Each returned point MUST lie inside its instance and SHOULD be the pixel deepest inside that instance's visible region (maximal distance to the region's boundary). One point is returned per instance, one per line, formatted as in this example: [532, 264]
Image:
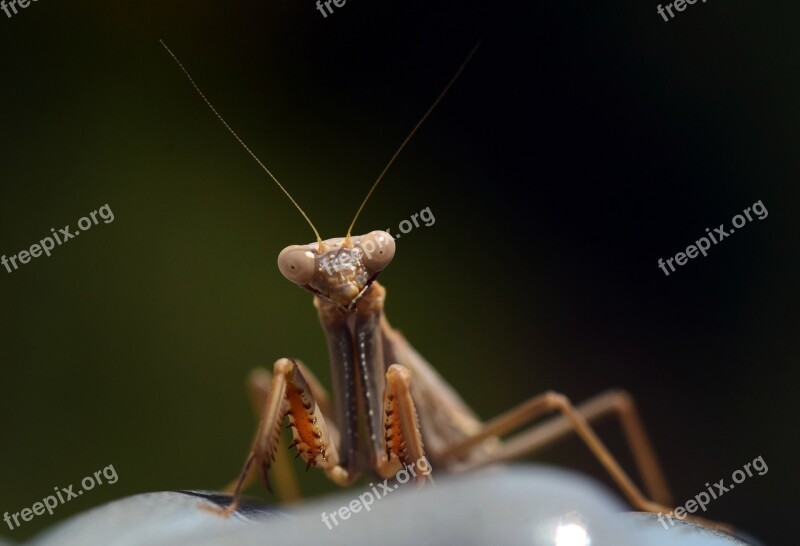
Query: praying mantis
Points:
[390, 407]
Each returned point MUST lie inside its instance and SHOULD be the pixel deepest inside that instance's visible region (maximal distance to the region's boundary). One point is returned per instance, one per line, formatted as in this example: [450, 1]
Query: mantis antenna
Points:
[249, 151]
[411, 134]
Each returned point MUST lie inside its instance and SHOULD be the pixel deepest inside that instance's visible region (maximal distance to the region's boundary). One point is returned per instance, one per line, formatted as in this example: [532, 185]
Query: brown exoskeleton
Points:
[382, 386]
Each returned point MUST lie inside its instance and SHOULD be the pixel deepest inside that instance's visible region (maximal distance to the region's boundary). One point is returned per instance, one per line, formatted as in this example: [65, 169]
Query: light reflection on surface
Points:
[572, 533]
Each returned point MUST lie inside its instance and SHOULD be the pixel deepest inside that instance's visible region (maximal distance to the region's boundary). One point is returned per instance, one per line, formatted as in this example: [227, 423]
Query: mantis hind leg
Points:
[575, 420]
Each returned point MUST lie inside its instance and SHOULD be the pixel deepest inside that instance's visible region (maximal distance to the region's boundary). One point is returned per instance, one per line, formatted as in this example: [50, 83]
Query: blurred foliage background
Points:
[584, 142]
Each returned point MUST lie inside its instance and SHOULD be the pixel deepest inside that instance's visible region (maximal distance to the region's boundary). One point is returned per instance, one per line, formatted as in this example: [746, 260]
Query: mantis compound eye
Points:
[377, 250]
[297, 264]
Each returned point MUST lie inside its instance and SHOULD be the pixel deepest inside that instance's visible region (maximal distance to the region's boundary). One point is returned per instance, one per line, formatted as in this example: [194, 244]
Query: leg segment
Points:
[621, 405]
[402, 434]
[574, 420]
[290, 395]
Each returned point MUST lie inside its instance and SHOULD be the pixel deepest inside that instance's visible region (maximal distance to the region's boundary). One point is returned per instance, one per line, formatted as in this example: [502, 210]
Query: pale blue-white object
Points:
[522, 505]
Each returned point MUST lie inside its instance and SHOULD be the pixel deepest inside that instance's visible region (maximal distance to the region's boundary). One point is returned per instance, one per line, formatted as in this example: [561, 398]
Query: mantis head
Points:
[338, 270]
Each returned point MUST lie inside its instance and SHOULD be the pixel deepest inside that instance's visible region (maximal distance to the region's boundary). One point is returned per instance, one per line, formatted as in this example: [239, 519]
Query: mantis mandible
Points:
[385, 388]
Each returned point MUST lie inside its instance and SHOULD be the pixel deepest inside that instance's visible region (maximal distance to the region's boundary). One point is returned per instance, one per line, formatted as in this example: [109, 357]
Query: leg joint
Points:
[622, 400]
[556, 400]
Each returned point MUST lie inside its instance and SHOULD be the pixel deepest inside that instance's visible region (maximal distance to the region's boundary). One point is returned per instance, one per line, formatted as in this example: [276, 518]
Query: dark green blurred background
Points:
[584, 142]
